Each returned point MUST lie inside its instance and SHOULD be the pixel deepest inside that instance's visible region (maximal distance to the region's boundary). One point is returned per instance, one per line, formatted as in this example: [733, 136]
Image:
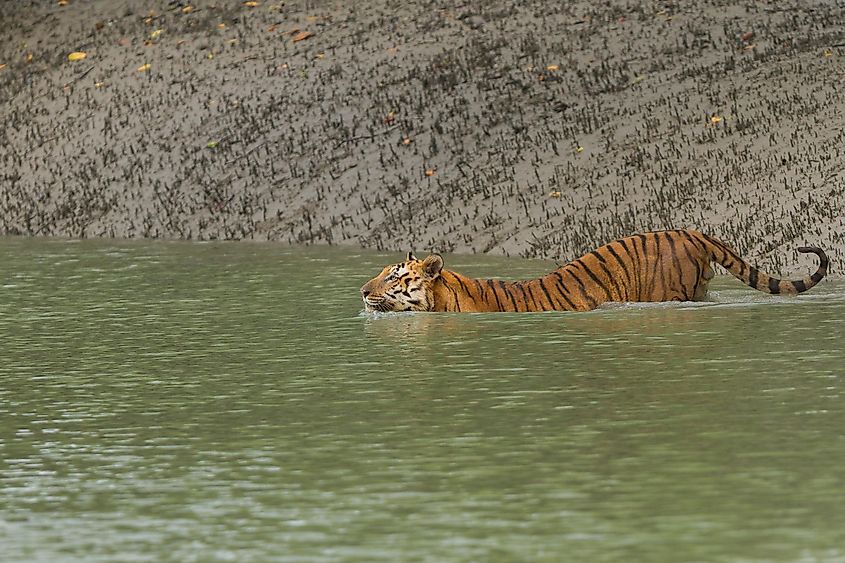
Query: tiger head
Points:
[406, 286]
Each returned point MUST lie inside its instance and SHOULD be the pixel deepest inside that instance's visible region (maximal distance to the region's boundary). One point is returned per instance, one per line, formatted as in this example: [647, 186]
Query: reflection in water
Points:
[177, 401]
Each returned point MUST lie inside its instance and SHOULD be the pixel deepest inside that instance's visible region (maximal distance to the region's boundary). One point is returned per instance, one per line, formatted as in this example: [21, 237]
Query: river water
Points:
[230, 401]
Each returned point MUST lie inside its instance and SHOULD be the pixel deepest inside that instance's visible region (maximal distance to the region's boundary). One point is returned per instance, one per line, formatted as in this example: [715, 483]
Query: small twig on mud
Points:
[83, 75]
[362, 137]
[244, 155]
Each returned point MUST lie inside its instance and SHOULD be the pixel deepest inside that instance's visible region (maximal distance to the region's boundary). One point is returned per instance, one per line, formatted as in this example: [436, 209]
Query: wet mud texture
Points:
[526, 128]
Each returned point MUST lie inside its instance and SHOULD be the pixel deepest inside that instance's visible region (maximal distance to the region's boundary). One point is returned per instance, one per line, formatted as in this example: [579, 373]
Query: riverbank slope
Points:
[507, 127]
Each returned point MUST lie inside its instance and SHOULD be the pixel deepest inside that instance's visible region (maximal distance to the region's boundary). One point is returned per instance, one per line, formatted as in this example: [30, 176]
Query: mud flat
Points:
[523, 127]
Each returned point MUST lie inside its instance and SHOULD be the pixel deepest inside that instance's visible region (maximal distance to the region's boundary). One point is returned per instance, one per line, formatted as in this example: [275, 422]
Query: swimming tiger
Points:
[655, 266]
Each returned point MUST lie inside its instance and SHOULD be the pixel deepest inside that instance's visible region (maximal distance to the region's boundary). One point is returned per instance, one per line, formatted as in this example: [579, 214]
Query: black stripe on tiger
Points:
[546, 293]
[481, 293]
[582, 289]
[610, 277]
[694, 261]
[677, 262]
[635, 270]
[594, 277]
[752, 277]
[526, 293]
[653, 279]
[465, 288]
[507, 291]
[561, 287]
[619, 261]
[492, 287]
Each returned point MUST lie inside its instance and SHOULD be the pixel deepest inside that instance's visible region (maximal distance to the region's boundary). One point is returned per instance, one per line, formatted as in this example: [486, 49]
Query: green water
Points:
[197, 402]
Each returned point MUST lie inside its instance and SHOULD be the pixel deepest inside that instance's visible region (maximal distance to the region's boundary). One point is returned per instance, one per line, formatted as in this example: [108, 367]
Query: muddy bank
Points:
[506, 127]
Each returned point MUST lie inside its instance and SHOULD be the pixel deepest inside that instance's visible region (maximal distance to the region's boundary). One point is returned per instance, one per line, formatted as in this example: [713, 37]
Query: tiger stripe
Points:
[655, 266]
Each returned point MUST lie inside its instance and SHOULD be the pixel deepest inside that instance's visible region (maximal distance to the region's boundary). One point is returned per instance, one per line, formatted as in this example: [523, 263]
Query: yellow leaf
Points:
[827, 53]
[155, 34]
[77, 56]
[715, 119]
[29, 57]
[552, 68]
[99, 84]
[221, 26]
[250, 4]
[554, 193]
[144, 68]
[2, 66]
[406, 141]
[62, 2]
[579, 149]
[301, 35]
[430, 172]
[187, 9]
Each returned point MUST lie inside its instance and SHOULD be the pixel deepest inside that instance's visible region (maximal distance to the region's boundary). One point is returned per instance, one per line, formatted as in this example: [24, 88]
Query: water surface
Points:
[172, 401]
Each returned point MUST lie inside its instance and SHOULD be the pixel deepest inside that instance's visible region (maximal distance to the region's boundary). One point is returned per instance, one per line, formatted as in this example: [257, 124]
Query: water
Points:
[196, 402]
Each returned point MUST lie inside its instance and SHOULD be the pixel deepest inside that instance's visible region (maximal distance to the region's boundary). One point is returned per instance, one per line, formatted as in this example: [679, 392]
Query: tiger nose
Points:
[364, 292]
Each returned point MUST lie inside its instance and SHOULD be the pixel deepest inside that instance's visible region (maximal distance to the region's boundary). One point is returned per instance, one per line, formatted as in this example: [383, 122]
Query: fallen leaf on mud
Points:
[221, 26]
[99, 84]
[552, 68]
[155, 34]
[320, 55]
[77, 56]
[715, 119]
[430, 172]
[144, 67]
[747, 35]
[273, 28]
[579, 149]
[639, 79]
[554, 193]
[406, 141]
[2, 66]
[390, 117]
[62, 2]
[301, 36]
[187, 9]
[250, 4]
[212, 144]
[827, 53]
[29, 57]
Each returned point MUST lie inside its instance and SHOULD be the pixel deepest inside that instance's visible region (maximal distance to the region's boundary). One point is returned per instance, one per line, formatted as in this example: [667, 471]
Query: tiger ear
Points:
[432, 265]
[411, 256]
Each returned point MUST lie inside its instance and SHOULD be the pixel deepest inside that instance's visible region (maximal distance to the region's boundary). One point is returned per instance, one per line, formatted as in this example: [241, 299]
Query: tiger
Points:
[671, 265]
